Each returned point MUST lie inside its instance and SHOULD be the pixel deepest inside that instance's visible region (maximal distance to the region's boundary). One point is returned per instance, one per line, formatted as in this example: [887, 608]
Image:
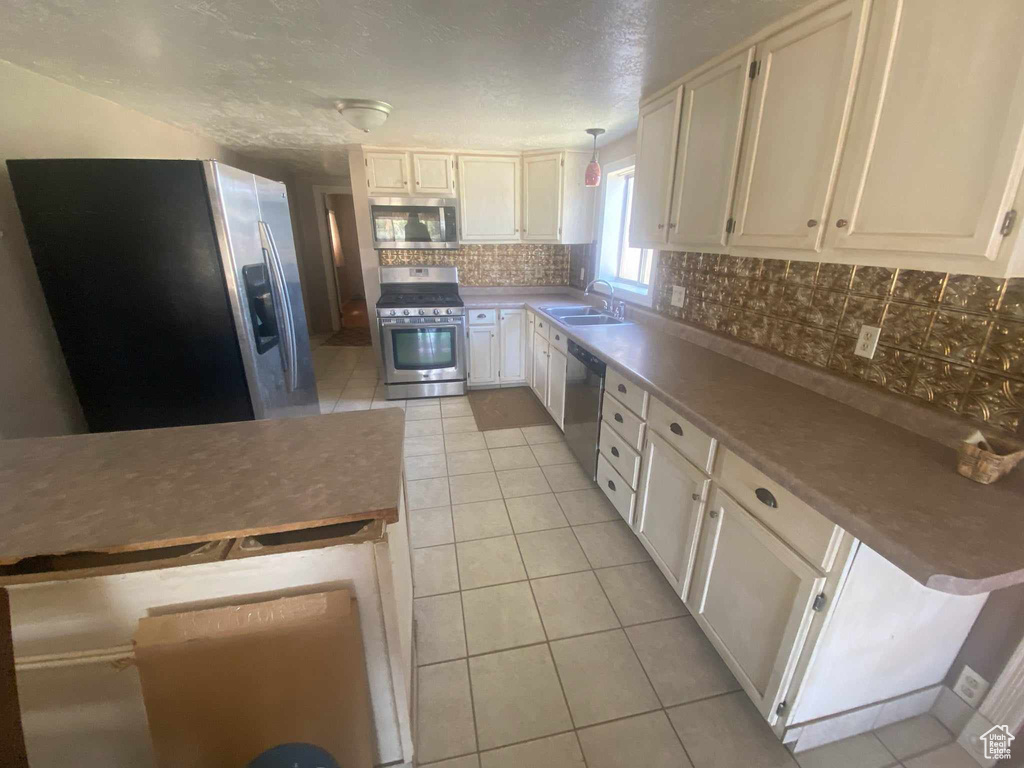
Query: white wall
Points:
[44, 118]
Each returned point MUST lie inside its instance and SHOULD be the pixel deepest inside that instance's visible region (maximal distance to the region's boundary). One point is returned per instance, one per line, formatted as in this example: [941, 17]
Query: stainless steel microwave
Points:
[414, 222]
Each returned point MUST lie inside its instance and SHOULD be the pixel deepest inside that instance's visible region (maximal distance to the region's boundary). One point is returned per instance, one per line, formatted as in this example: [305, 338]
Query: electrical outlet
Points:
[970, 686]
[583, 274]
[867, 341]
[678, 295]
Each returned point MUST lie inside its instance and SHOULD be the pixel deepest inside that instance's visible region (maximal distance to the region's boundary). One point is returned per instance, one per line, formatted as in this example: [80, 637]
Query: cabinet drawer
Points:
[616, 489]
[627, 393]
[806, 530]
[620, 455]
[559, 340]
[482, 316]
[627, 424]
[542, 327]
[698, 447]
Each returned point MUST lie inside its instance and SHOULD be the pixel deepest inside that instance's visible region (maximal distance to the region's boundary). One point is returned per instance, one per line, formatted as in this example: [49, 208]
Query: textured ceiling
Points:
[262, 76]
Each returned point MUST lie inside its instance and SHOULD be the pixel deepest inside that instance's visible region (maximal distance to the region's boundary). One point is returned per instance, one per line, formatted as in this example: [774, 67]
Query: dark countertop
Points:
[898, 492]
[121, 491]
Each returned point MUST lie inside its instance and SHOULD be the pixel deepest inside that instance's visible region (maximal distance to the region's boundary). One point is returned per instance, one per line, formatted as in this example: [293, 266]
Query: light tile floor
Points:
[545, 635]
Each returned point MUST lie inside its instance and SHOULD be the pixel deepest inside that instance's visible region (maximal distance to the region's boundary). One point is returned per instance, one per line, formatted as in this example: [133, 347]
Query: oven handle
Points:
[453, 323]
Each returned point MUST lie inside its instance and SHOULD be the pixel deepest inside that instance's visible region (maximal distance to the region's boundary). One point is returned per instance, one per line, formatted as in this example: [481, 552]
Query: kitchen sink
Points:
[561, 312]
[592, 319]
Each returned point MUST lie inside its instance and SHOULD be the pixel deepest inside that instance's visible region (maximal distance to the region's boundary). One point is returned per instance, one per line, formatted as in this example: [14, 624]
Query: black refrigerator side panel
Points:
[128, 259]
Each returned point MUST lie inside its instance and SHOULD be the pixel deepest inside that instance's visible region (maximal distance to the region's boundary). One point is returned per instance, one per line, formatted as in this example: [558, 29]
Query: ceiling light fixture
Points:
[364, 114]
[593, 177]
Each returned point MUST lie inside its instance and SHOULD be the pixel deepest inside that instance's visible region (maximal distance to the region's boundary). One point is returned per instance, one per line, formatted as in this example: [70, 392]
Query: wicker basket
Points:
[985, 461]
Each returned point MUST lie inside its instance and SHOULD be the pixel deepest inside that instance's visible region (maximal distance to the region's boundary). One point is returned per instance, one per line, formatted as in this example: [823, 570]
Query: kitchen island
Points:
[103, 529]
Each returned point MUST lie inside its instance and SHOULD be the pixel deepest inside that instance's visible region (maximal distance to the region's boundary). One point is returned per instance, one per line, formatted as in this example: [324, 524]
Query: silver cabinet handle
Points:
[841, 223]
[661, 226]
[713, 514]
[618, 417]
[812, 223]
[557, 337]
[481, 316]
[622, 388]
[766, 497]
[676, 429]
[695, 496]
[611, 485]
[615, 452]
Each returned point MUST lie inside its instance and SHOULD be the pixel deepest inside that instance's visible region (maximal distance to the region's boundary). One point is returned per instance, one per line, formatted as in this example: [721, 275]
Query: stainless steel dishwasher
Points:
[584, 390]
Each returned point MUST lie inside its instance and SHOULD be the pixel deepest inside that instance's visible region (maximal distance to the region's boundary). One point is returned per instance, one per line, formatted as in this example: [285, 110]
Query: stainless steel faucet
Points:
[617, 308]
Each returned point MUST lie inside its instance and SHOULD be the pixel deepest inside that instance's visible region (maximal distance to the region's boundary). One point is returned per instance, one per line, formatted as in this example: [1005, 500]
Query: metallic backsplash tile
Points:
[494, 265]
[955, 342]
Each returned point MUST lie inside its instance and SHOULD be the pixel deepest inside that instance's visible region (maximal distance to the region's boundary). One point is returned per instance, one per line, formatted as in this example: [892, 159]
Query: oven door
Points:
[413, 223]
[422, 350]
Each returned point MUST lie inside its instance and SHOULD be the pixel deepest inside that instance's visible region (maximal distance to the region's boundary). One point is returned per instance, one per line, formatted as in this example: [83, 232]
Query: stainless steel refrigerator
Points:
[173, 287]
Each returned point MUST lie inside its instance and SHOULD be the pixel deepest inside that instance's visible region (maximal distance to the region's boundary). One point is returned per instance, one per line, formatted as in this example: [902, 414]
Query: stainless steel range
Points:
[422, 332]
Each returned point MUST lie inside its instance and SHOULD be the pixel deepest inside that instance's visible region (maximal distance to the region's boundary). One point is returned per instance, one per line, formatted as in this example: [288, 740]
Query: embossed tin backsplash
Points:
[955, 341]
[494, 265]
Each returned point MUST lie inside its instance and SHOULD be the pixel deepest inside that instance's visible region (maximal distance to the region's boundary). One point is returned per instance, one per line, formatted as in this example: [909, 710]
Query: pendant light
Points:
[593, 177]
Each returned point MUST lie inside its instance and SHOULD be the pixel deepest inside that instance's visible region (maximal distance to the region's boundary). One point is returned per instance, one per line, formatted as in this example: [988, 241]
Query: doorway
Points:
[343, 247]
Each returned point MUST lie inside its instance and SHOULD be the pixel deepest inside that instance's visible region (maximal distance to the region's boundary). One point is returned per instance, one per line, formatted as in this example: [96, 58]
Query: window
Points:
[628, 269]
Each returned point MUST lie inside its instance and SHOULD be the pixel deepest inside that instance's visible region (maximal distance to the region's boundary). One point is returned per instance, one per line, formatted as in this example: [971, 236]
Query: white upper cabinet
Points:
[557, 206]
[387, 173]
[656, 140]
[935, 148]
[714, 105]
[434, 174]
[801, 94]
[489, 198]
[542, 196]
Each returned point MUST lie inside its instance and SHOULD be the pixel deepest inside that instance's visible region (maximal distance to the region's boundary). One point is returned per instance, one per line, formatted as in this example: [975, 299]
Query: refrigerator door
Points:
[263, 318]
[277, 233]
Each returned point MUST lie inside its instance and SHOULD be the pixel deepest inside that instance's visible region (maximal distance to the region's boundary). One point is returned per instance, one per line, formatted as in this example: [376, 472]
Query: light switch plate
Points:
[971, 687]
[867, 341]
[678, 295]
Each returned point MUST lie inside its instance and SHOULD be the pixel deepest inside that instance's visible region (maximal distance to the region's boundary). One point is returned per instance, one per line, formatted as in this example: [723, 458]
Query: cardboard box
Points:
[223, 685]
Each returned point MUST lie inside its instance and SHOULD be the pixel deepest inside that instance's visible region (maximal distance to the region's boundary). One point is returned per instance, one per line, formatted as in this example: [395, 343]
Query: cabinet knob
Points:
[481, 316]
[661, 226]
[812, 223]
[622, 388]
[766, 497]
[695, 496]
[676, 429]
[611, 485]
[842, 223]
[615, 452]
[557, 337]
[671, 226]
[618, 417]
[713, 514]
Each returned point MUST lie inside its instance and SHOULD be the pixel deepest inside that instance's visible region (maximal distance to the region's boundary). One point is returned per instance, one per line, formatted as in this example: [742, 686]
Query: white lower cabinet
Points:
[557, 369]
[754, 597]
[531, 321]
[512, 346]
[483, 355]
[672, 493]
[540, 367]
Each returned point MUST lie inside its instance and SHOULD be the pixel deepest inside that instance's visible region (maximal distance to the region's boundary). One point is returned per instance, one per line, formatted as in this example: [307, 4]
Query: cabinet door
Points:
[540, 368]
[528, 356]
[434, 173]
[512, 346]
[489, 198]
[935, 147]
[656, 140]
[714, 105]
[387, 173]
[483, 356]
[794, 129]
[671, 498]
[557, 366]
[754, 599]
[542, 197]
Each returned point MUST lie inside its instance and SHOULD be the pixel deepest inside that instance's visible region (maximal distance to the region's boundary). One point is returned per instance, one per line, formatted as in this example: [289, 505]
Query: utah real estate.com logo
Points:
[997, 742]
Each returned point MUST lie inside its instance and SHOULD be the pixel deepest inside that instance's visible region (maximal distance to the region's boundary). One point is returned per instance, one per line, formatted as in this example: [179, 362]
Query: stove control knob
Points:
[422, 312]
[437, 311]
[447, 311]
[405, 311]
